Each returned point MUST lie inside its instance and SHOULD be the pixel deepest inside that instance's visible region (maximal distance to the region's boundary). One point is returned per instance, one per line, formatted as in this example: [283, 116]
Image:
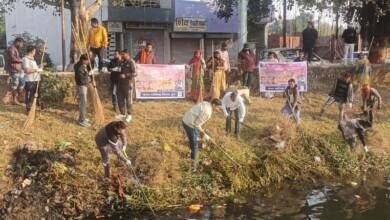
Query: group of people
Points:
[121, 67]
[25, 71]
[350, 39]
[219, 71]
[343, 95]
[25, 75]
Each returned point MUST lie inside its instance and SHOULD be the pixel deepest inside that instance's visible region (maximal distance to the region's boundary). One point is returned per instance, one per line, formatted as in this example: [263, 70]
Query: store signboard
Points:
[201, 16]
[190, 24]
[115, 27]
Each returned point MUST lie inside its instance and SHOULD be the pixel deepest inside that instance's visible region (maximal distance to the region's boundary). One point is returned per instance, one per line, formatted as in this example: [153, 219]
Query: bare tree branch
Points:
[93, 8]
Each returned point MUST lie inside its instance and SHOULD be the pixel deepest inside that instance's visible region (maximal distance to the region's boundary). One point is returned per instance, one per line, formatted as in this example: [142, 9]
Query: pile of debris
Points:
[278, 135]
[38, 187]
[157, 166]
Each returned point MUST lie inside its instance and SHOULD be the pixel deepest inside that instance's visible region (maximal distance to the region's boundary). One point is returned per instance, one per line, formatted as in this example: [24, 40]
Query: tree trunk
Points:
[80, 15]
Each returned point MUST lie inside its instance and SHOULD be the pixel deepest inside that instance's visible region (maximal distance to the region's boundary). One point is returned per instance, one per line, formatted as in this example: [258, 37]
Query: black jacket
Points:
[127, 69]
[343, 91]
[81, 74]
[46, 59]
[309, 36]
[114, 63]
[350, 36]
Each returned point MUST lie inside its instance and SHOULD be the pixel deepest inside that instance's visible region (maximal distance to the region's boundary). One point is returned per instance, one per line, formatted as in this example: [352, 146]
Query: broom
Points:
[96, 102]
[31, 115]
[92, 90]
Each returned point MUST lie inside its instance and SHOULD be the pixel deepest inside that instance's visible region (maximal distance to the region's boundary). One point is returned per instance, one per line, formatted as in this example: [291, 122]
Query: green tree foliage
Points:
[3, 42]
[81, 12]
[257, 9]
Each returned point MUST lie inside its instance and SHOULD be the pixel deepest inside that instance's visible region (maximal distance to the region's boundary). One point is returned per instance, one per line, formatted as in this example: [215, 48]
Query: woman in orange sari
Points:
[217, 67]
[197, 65]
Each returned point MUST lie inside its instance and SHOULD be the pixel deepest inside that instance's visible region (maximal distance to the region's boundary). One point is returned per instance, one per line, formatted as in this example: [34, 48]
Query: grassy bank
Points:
[65, 170]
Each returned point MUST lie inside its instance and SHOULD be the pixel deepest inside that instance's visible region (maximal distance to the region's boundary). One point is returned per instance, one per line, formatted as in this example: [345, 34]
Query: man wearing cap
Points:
[40, 51]
[350, 39]
[309, 37]
[247, 64]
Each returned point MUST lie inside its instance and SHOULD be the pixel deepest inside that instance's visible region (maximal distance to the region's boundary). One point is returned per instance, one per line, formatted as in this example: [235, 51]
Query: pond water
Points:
[368, 199]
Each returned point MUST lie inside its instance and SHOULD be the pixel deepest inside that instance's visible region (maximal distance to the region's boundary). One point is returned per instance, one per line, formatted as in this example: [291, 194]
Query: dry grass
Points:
[160, 121]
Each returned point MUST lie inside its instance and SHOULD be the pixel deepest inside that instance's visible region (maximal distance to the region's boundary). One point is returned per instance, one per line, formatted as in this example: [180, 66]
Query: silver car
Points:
[289, 55]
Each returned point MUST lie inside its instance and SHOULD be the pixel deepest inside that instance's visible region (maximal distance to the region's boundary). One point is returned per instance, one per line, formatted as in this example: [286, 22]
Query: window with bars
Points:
[142, 3]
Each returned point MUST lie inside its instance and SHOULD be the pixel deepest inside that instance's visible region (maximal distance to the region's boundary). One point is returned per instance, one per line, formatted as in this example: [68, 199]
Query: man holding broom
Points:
[83, 79]
[32, 77]
[192, 122]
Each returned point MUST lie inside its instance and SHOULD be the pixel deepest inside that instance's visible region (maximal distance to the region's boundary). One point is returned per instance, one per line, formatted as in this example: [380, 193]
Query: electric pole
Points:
[284, 23]
[243, 31]
[63, 35]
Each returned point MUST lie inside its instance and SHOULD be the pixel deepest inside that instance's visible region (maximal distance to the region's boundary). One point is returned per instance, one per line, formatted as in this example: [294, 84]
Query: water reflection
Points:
[368, 199]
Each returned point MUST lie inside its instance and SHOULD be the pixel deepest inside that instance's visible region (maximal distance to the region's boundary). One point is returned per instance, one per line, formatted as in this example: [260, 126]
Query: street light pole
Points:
[284, 23]
[63, 35]
[243, 31]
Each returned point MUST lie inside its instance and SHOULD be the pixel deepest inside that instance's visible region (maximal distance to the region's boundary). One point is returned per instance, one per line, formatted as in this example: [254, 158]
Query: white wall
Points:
[43, 24]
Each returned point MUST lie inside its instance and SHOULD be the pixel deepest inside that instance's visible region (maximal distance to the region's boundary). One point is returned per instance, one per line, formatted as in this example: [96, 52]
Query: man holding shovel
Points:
[192, 122]
[233, 104]
[291, 108]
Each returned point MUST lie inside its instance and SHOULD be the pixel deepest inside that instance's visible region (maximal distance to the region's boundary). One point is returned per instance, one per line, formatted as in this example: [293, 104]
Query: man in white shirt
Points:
[233, 104]
[225, 57]
[31, 78]
[192, 122]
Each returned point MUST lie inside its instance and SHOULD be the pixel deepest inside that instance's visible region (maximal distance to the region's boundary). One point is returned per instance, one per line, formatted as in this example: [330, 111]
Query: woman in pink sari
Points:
[197, 65]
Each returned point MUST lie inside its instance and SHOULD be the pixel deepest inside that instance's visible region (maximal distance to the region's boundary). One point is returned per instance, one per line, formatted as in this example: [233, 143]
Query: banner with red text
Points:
[158, 81]
[274, 76]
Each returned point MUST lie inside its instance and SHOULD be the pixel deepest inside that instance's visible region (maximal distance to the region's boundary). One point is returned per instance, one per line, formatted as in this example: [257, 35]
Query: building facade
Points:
[176, 28]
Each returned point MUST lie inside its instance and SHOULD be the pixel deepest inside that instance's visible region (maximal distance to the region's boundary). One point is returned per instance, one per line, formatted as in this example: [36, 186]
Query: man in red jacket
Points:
[247, 64]
[13, 66]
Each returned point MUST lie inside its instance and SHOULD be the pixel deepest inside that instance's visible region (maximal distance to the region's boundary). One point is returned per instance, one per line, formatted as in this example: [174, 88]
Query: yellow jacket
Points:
[97, 37]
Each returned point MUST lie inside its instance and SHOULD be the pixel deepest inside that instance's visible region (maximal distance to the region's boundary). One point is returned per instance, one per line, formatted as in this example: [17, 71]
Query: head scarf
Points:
[195, 60]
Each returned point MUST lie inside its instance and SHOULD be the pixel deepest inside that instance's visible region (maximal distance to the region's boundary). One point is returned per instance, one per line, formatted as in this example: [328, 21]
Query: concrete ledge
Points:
[319, 78]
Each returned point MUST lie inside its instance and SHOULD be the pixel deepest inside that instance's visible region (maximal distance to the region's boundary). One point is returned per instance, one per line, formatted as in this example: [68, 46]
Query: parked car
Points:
[2, 65]
[289, 55]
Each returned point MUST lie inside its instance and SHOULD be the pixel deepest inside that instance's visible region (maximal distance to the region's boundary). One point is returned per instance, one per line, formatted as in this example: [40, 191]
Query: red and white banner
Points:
[274, 76]
[159, 81]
